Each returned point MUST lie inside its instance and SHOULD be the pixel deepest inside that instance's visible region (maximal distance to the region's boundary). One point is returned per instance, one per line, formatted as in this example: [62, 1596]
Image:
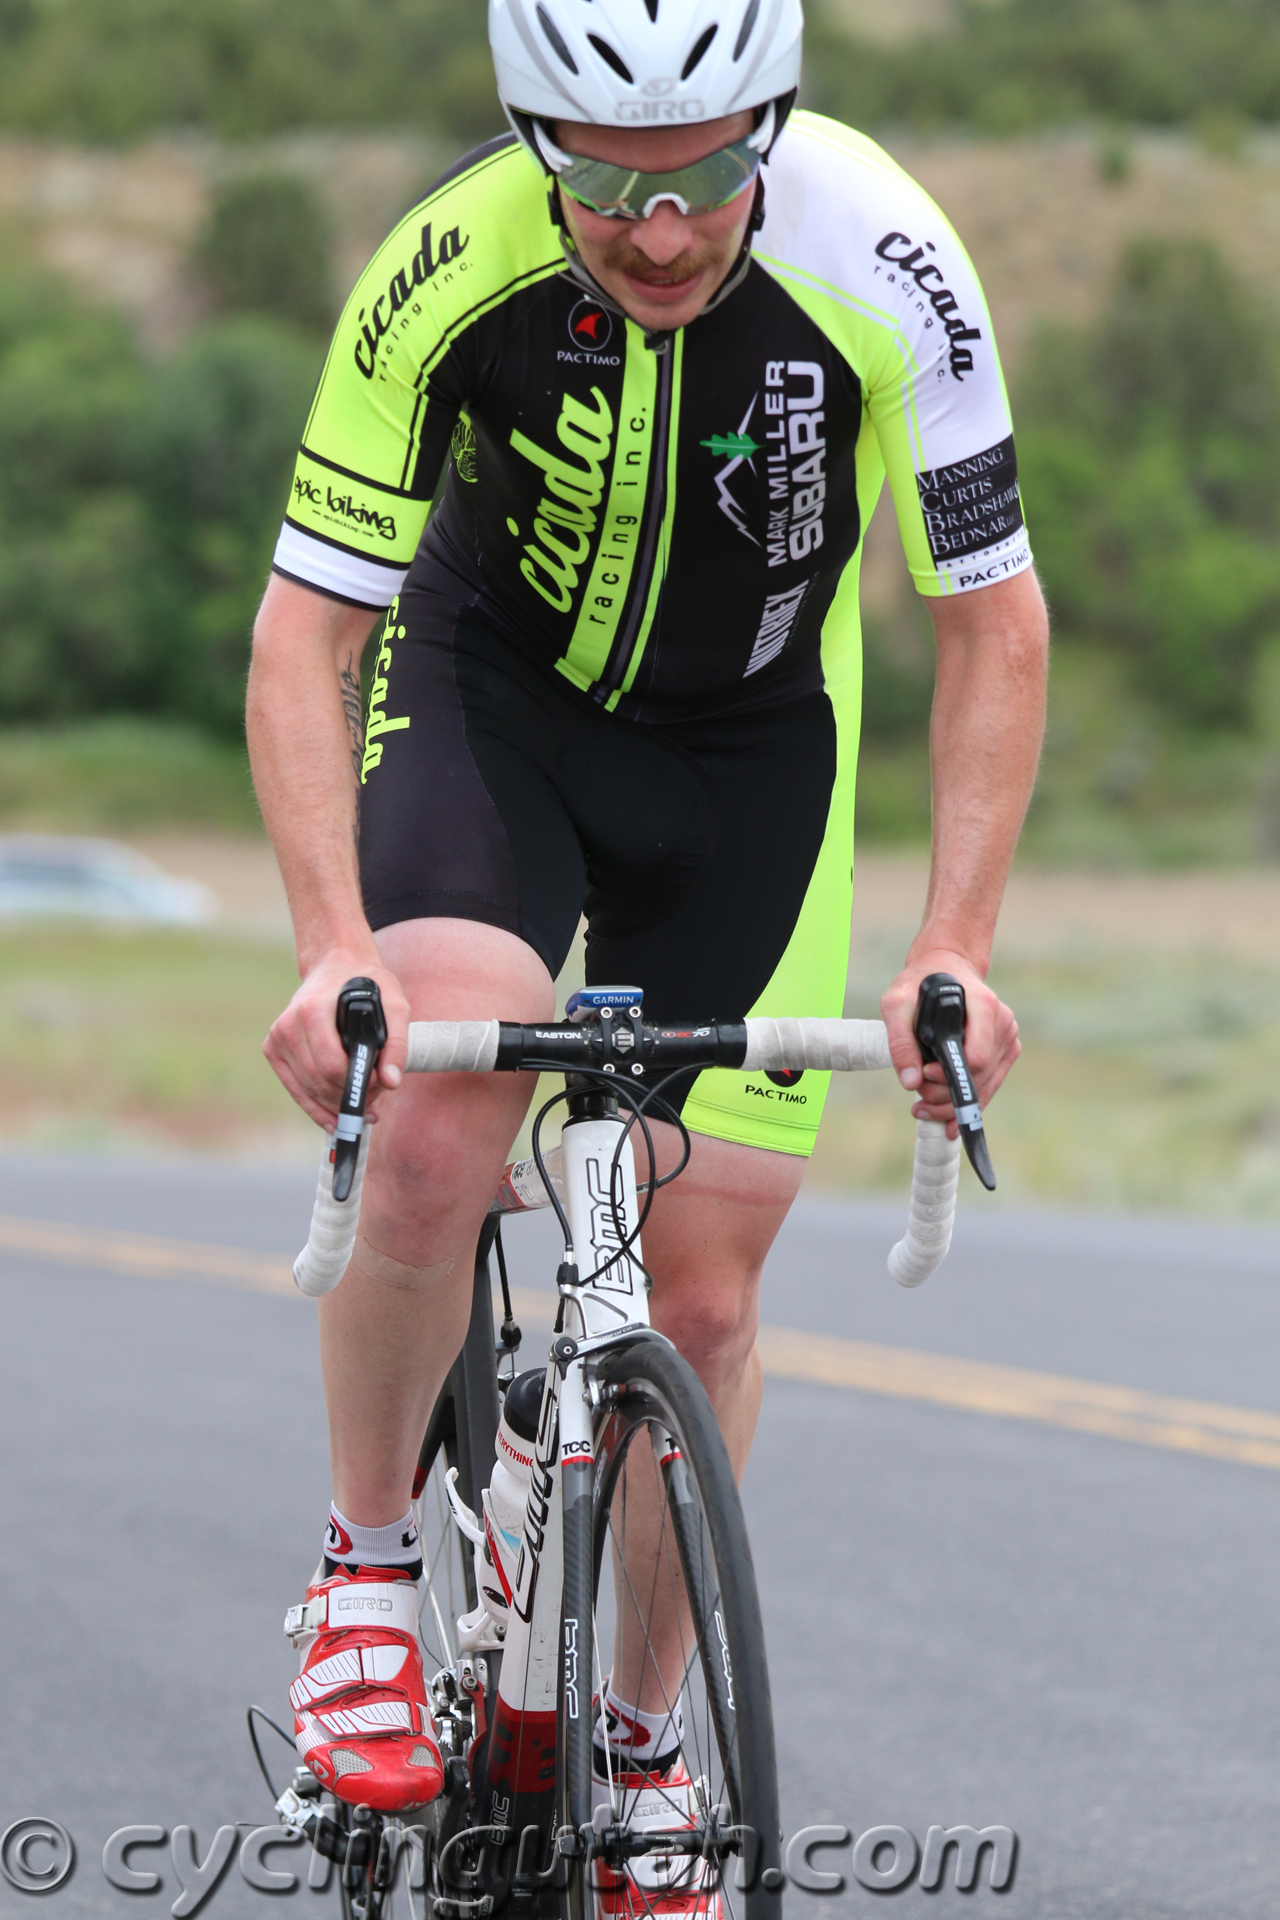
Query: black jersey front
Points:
[671, 522]
[666, 518]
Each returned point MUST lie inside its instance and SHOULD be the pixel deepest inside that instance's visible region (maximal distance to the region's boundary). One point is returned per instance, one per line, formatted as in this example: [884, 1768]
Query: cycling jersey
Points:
[647, 535]
[669, 520]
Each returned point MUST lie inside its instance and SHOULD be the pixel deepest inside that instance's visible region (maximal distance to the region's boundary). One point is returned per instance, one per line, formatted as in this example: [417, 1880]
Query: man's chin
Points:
[659, 307]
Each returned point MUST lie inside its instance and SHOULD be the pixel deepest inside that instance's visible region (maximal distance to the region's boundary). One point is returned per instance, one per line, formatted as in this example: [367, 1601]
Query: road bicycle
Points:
[632, 1523]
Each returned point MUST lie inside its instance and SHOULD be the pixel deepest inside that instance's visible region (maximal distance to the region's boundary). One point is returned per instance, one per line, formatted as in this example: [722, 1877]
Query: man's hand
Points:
[991, 1041]
[303, 1045]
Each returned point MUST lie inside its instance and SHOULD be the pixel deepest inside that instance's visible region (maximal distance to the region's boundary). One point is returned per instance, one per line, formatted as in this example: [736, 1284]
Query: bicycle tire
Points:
[648, 1388]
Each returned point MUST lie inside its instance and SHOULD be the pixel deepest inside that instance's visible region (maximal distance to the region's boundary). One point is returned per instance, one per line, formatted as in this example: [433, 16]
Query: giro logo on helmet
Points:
[591, 326]
[660, 110]
[678, 62]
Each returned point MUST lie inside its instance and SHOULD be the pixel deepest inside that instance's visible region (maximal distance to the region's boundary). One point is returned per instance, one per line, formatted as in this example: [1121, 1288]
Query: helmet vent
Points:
[700, 47]
[611, 59]
[744, 31]
[552, 32]
[651, 8]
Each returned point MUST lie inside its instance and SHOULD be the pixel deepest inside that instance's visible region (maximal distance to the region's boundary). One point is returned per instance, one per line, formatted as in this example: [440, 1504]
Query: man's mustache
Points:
[623, 257]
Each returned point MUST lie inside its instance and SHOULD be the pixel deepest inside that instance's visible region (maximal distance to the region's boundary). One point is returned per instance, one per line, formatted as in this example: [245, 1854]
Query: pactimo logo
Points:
[425, 265]
[787, 1078]
[591, 326]
[913, 264]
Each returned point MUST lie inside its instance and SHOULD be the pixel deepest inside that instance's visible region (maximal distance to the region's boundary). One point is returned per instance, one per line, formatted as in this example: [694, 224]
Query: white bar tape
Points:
[934, 1179]
[323, 1261]
[845, 1046]
[452, 1046]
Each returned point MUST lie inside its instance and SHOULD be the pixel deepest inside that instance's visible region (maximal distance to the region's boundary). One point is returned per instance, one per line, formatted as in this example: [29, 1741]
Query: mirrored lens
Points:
[623, 193]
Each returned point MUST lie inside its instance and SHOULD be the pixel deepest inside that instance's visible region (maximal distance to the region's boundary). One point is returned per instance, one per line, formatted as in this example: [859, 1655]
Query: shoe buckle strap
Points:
[390, 1605]
[307, 1617]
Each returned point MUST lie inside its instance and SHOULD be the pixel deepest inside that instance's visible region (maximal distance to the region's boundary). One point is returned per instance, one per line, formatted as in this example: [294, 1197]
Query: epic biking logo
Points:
[343, 507]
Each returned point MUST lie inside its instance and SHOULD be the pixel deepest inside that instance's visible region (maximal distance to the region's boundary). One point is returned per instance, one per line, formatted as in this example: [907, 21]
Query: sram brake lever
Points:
[940, 1018]
[362, 1028]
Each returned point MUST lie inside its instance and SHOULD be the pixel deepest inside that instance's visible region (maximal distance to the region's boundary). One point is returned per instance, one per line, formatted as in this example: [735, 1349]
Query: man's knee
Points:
[445, 1142]
[712, 1322]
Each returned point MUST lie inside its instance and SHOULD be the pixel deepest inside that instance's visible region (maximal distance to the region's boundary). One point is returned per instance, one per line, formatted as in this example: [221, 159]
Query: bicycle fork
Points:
[550, 1631]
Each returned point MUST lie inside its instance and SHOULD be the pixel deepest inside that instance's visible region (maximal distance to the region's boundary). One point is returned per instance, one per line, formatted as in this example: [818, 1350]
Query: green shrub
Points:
[1013, 67]
[1149, 446]
[140, 503]
[112, 69]
[267, 251]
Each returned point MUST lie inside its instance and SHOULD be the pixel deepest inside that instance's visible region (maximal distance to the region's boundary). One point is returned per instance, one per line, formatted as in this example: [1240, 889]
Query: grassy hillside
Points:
[112, 69]
[1018, 64]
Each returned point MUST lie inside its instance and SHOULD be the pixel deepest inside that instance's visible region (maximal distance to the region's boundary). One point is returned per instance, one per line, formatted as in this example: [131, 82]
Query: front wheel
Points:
[669, 1594]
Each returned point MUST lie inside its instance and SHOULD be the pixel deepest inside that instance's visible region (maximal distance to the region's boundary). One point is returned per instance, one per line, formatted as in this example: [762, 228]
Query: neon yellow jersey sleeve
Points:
[392, 396]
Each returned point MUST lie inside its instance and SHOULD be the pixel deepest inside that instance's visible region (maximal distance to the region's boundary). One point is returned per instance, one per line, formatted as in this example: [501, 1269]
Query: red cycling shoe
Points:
[362, 1721]
[654, 1886]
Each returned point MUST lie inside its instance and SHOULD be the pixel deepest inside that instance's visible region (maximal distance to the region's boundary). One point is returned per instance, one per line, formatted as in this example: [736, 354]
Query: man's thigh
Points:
[708, 1233]
[442, 1139]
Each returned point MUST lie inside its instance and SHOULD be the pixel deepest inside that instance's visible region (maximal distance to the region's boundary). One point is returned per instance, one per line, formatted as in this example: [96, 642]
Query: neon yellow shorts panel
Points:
[810, 978]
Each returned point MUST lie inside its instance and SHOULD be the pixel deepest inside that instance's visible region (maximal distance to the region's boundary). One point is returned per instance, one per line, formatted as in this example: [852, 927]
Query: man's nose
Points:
[664, 235]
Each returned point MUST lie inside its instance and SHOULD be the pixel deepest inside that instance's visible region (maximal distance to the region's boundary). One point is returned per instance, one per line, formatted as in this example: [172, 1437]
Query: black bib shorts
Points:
[495, 790]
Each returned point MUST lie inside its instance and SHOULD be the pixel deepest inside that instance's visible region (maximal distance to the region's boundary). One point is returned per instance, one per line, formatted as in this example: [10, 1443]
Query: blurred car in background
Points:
[49, 874]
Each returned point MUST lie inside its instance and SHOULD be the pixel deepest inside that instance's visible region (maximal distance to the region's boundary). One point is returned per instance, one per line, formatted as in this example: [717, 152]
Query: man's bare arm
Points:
[987, 727]
[303, 725]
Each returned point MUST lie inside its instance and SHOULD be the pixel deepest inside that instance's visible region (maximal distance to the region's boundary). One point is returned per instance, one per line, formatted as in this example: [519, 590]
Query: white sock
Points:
[347, 1544]
[638, 1738]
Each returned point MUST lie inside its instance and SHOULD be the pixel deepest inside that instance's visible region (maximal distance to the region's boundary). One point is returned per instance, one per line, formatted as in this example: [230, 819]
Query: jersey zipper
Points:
[615, 671]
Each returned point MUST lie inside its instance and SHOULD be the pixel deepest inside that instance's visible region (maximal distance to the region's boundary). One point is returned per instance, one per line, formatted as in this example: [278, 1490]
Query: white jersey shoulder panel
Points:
[875, 264]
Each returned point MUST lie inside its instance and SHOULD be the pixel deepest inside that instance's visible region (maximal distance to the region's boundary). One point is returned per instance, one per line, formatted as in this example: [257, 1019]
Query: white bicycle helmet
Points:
[643, 63]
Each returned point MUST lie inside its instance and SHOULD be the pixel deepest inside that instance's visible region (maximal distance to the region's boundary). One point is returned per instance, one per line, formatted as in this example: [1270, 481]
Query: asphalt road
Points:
[970, 1618]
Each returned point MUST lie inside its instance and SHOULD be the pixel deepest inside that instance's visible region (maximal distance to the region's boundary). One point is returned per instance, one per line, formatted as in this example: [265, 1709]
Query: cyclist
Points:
[664, 340]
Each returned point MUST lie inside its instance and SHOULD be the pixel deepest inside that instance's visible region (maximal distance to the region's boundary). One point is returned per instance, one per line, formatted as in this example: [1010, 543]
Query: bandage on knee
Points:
[396, 1273]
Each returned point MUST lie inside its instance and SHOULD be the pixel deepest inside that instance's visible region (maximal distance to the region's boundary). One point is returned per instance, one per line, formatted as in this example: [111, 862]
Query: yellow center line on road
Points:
[146, 1257]
[1242, 1434]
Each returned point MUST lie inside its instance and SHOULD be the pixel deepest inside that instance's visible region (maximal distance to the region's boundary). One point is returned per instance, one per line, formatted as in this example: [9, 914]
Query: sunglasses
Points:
[623, 193]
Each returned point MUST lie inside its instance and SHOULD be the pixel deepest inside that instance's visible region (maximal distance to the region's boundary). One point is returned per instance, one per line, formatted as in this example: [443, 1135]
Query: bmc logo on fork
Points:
[571, 1669]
